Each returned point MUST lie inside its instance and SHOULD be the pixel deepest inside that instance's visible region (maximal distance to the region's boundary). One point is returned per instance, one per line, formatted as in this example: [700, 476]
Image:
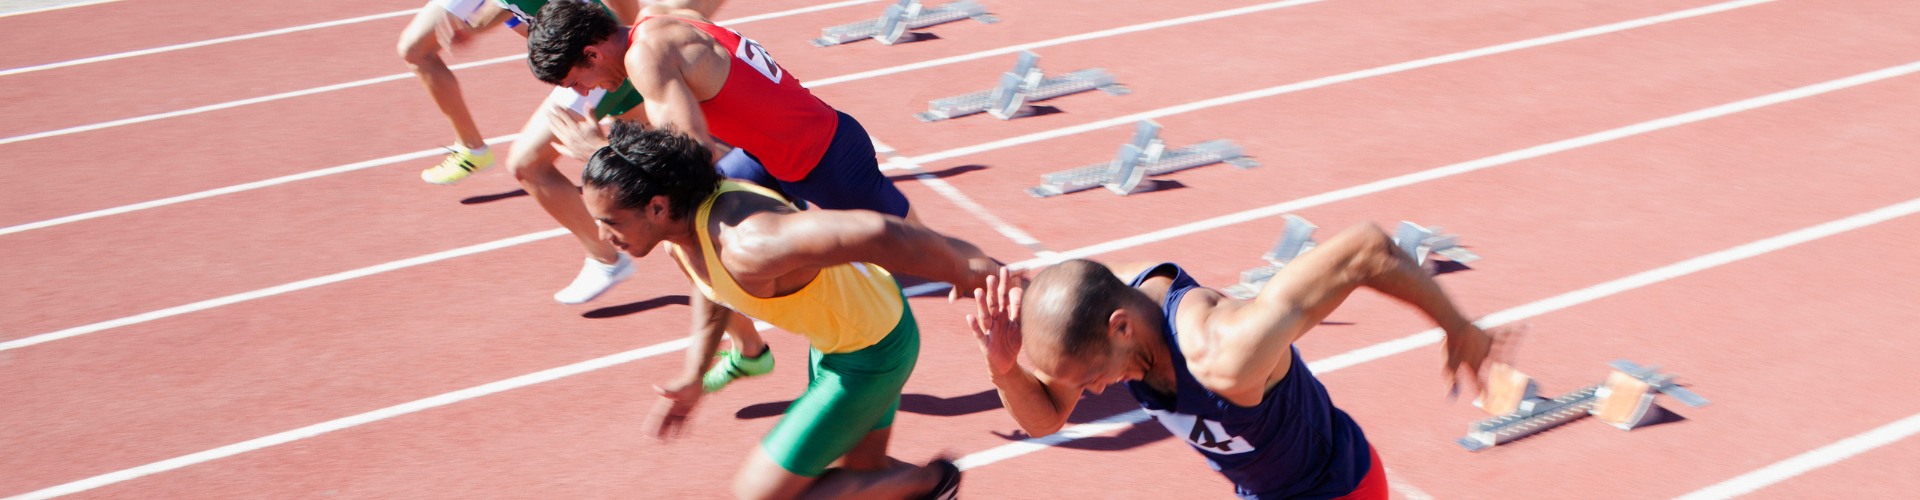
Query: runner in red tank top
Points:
[720, 86]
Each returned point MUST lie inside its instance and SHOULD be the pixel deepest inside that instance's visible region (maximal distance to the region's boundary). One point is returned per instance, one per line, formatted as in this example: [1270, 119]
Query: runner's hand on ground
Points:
[669, 417]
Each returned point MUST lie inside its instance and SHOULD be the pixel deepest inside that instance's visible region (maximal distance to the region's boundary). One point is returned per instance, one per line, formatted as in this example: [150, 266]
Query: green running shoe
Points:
[733, 365]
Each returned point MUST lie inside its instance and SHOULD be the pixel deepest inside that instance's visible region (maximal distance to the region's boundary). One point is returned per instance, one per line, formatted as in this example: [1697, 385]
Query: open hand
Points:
[574, 135]
[1470, 349]
[996, 321]
[669, 417]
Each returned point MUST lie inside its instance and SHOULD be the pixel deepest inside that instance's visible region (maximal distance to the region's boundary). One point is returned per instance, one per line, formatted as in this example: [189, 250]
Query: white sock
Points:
[476, 151]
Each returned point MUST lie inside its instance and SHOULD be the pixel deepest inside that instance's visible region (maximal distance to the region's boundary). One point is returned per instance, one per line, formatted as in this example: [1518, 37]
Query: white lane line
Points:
[949, 154]
[1811, 460]
[1093, 35]
[356, 420]
[1341, 78]
[1433, 336]
[961, 200]
[1332, 196]
[1323, 366]
[239, 187]
[55, 7]
[1500, 159]
[203, 43]
[280, 289]
[359, 83]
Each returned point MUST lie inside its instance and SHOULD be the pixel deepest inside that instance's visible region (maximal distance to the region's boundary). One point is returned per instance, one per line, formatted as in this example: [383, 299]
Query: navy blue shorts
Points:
[848, 176]
[741, 165]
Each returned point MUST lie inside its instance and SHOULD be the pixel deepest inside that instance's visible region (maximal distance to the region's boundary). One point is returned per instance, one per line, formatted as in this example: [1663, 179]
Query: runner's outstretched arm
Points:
[1250, 342]
[776, 244]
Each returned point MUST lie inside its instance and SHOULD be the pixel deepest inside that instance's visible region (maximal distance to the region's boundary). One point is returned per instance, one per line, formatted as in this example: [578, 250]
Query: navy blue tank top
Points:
[1295, 444]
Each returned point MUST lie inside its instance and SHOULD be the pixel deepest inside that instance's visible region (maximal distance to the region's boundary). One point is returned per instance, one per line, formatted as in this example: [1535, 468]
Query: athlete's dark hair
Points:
[1091, 294]
[560, 34]
[643, 162]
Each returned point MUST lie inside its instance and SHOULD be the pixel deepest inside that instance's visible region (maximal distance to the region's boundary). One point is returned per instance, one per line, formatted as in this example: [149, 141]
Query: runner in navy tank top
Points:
[1294, 444]
[1221, 374]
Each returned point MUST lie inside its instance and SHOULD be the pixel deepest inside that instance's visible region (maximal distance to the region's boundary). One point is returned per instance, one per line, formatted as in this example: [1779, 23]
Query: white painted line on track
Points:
[240, 187]
[356, 420]
[1811, 460]
[1005, 143]
[280, 289]
[55, 7]
[953, 194]
[1297, 204]
[1015, 49]
[1323, 366]
[358, 83]
[1341, 78]
[203, 43]
[1433, 336]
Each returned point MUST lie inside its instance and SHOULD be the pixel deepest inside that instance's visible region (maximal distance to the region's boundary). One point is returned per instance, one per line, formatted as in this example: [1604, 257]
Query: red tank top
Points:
[764, 110]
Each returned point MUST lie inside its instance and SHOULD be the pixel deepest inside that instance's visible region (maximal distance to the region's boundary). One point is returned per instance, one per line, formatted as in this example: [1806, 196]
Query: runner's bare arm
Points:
[657, 67]
[1248, 343]
[769, 245]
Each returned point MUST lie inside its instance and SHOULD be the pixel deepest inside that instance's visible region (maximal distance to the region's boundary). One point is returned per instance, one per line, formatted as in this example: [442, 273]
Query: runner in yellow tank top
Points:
[822, 274]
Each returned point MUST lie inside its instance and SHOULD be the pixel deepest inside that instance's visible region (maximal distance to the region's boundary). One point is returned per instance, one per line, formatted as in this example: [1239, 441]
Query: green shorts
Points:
[848, 395]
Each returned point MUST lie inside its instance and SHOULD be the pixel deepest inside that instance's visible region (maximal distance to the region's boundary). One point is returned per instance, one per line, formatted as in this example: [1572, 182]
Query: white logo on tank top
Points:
[1205, 434]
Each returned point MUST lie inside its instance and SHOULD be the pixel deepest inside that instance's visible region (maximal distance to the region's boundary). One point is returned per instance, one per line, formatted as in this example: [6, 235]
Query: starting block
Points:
[892, 26]
[1024, 84]
[1145, 155]
[1297, 238]
[1418, 242]
[1624, 401]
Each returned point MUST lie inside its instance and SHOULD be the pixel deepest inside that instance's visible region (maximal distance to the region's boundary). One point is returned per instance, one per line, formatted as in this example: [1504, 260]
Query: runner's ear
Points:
[1119, 324]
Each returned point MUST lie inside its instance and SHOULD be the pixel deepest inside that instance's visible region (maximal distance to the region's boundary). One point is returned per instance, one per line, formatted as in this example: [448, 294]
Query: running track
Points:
[1722, 188]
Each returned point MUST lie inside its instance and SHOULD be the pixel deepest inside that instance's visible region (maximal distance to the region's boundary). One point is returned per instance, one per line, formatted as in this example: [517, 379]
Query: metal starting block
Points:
[1145, 155]
[892, 26]
[1623, 401]
[1295, 239]
[1024, 84]
[1418, 242]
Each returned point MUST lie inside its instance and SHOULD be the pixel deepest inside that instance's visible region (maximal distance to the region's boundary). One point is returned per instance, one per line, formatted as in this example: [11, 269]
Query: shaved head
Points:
[1065, 311]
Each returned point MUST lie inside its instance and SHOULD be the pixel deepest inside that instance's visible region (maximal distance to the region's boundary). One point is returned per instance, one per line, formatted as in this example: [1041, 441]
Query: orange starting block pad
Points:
[1625, 401]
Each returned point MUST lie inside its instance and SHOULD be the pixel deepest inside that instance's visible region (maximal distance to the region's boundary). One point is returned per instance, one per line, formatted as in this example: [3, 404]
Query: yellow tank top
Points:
[846, 308]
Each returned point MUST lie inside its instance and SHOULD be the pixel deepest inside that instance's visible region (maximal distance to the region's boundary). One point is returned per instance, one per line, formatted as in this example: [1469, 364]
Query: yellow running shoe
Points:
[459, 164]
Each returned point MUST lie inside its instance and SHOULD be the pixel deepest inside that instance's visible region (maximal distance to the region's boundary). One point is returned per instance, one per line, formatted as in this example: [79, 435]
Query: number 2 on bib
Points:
[754, 55]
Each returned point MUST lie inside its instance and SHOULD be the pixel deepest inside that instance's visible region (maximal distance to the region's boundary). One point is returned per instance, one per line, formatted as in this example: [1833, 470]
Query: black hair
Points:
[560, 33]
[1091, 294]
[641, 162]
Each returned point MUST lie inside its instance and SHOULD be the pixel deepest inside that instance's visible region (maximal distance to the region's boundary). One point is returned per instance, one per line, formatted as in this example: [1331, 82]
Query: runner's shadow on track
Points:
[1092, 407]
[939, 174]
[634, 307]
[923, 404]
[489, 198]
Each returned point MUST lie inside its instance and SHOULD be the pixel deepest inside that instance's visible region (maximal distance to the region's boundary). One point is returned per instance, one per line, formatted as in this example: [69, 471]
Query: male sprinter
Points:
[1221, 373]
[531, 161]
[822, 274]
[438, 23]
[717, 85]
